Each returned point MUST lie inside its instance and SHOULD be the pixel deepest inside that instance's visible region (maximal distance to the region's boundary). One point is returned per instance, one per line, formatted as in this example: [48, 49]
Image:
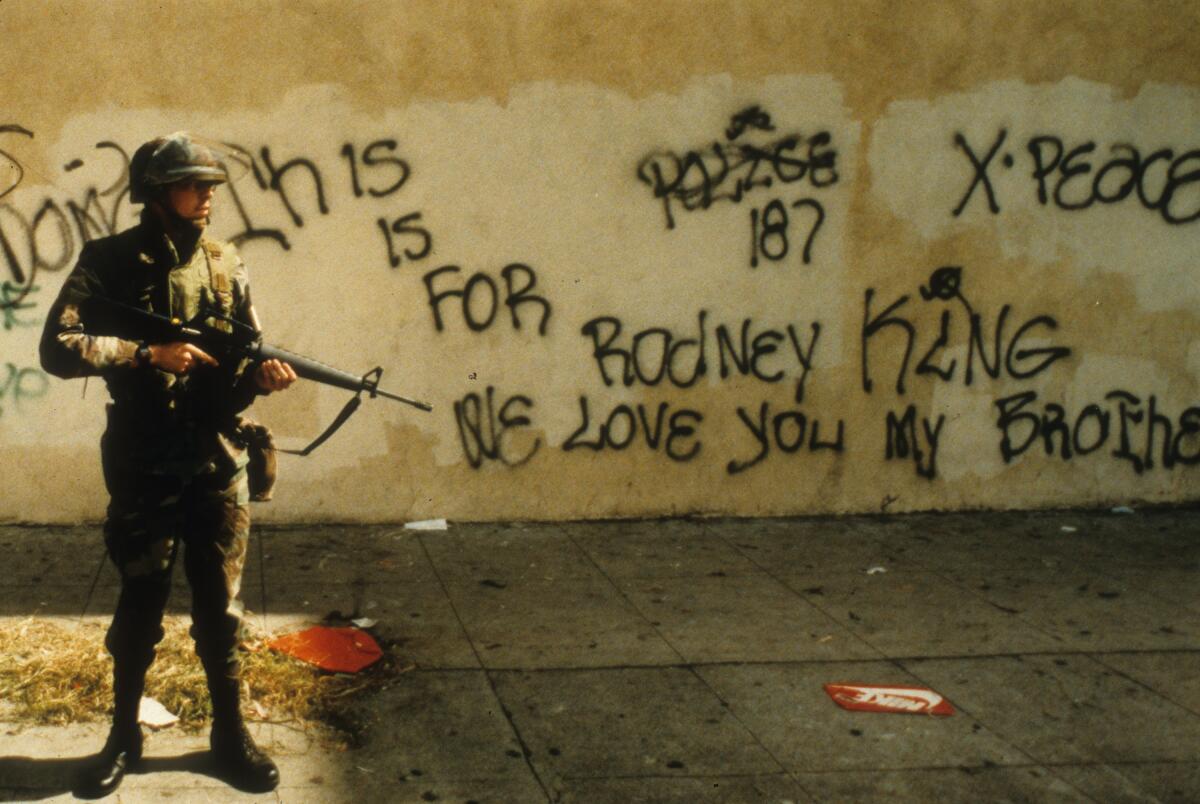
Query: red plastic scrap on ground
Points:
[904, 700]
[340, 650]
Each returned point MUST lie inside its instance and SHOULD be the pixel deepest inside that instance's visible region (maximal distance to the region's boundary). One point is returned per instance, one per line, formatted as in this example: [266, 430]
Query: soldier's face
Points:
[192, 199]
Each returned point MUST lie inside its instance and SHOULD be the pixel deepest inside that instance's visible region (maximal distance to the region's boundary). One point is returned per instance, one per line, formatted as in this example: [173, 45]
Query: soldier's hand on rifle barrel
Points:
[178, 357]
[274, 375]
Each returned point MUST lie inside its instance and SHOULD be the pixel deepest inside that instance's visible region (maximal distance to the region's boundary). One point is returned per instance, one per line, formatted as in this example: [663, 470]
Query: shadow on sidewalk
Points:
[28, 779]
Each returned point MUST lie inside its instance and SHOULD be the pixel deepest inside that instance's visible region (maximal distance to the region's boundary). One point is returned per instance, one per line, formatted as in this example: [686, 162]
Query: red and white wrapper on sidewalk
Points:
[901, 700]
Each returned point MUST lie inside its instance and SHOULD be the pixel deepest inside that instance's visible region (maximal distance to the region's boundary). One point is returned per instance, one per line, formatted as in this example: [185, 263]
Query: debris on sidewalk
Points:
[876, 570]
[1069, 528]
[427, 524]
[1122, 509]
[153, 714]
[364, 622]
[900, 700]
[55, 674]
[339, 650]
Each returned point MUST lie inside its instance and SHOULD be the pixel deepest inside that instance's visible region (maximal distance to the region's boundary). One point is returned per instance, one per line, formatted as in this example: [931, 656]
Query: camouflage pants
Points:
[150, 517]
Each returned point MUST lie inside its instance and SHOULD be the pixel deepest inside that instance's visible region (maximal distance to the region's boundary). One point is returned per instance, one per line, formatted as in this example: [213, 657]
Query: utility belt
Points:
[164, 438]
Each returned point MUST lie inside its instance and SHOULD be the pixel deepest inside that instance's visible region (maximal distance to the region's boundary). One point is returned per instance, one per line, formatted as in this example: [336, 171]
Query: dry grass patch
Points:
[56, 673]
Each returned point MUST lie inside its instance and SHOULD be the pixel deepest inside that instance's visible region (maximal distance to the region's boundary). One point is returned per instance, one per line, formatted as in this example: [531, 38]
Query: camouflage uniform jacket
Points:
[158, 422]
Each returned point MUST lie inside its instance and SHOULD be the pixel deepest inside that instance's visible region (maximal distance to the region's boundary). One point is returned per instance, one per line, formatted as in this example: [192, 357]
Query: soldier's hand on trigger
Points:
[274, 375]
[178, 357]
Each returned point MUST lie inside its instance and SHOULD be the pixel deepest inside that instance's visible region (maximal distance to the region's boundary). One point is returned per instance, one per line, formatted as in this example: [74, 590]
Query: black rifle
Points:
[244, 341]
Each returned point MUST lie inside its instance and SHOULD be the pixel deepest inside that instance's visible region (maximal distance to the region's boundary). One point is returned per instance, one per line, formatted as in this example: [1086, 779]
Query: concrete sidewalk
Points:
[684, 660]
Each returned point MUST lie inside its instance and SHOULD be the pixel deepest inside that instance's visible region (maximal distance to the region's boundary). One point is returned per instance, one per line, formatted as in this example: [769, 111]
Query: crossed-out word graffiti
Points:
[730, 170]
[1076, 176]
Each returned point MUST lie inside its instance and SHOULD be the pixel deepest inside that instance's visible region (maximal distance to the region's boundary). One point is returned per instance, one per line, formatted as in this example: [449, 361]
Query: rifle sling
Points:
[342, 416]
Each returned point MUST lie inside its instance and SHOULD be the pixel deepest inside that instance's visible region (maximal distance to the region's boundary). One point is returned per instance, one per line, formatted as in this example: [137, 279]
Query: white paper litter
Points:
[876, 570]
[155, 715]
[1068, 529]
[426, 524]
[1122, 509]
[365, 622]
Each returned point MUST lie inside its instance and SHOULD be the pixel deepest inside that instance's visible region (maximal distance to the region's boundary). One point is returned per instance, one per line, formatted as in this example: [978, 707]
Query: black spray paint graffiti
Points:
[480, 297]
[626, 425]
[729, 171]
[911, 436]
[49, 238]
[487, 429]
[1136, 428]
[651, 357]
[1008, 356]
[375, 171]
[1074, 178]
[655, 355]
[786, 432]
[752, 117]
[48, 235]
[772, 239]
[11, 171]
[486, 432]
[405, 227]
[18, 383]
[904, 440]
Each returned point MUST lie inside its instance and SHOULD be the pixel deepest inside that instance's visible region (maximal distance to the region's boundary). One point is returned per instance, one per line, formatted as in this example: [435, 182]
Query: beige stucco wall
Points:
[933, 171]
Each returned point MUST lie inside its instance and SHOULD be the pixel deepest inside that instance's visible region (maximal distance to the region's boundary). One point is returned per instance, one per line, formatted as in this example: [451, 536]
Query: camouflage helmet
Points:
[166, 160]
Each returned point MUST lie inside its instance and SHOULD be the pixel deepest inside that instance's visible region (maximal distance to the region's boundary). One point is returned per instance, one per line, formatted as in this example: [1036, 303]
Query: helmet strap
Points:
[184, 232]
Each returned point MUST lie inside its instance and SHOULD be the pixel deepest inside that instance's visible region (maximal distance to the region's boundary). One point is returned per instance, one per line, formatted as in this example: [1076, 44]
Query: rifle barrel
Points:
[311, 369]
[415, 403]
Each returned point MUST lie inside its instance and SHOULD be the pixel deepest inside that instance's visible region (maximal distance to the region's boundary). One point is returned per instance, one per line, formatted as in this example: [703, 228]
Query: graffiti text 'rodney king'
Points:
[655, 354]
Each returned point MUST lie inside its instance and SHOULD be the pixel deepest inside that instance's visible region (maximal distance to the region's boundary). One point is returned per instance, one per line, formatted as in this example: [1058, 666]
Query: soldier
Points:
[173, 463]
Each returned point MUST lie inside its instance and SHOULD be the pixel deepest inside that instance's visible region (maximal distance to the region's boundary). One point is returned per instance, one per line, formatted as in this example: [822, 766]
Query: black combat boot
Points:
[239, 761]
[104, 772]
